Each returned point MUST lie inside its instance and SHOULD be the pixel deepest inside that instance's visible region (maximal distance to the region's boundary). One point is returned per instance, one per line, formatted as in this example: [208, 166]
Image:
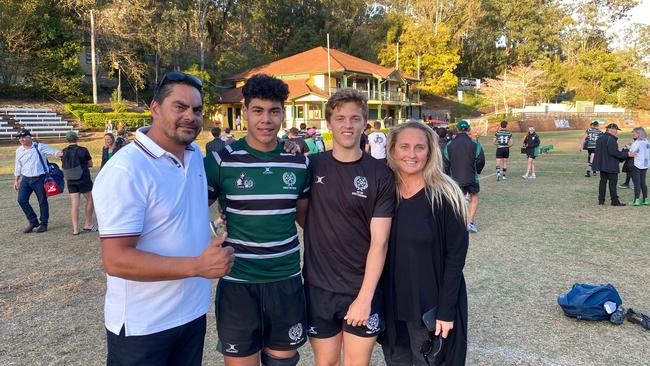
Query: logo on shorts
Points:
[361, 184]
[267, 170]
[312, 330]
[295, 334]
[373, 324]
[244, 182]
[289, 179]
[232, 348]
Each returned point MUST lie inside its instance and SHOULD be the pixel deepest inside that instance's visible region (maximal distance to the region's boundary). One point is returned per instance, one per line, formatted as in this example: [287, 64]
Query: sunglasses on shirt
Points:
[431, 348]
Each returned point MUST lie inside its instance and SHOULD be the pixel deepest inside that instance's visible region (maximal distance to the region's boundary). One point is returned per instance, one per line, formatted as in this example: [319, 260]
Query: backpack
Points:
[71, 163]
[585, 301]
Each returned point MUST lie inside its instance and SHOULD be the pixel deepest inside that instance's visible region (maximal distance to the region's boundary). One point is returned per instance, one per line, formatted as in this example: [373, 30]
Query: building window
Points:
[314, 111]
[300, 111]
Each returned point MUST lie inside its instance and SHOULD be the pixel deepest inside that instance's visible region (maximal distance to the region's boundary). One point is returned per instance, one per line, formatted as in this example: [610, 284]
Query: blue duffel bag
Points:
[585, 301]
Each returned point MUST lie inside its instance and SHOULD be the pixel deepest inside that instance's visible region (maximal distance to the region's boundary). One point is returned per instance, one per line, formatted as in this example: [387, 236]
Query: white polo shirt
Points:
[145, 191]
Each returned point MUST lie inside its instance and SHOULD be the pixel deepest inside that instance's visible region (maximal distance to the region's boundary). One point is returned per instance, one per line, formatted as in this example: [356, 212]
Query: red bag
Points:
[51, 188]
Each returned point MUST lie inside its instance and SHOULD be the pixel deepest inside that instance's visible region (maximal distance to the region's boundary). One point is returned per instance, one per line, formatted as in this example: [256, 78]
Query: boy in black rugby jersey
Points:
[346, 233]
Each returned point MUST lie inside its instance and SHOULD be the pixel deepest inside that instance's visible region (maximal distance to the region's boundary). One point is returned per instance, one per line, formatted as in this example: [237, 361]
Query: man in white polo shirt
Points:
[151, 203]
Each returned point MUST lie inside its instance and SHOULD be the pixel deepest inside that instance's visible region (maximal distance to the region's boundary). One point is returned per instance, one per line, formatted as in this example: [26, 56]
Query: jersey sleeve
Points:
[120, 212]
[385, 203]
[211, 164]
[85, 155]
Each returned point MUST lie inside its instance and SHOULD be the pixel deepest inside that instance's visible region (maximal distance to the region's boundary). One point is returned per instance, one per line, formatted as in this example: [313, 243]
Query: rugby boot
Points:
[638, 318]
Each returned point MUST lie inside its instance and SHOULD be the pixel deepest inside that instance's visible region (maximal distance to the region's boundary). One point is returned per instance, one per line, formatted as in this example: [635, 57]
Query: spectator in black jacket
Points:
[464, 160]
[607, 159]
[531, 144]
[217, 144]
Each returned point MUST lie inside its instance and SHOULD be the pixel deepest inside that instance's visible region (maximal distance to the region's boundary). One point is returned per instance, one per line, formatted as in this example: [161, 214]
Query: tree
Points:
[438, 58]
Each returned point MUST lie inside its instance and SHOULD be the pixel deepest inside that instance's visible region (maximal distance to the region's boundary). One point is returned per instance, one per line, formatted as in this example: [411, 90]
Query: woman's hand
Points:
[443, 327]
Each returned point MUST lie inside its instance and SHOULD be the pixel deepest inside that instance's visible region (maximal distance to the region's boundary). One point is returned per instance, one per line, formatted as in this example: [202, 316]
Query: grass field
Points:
[536, 239]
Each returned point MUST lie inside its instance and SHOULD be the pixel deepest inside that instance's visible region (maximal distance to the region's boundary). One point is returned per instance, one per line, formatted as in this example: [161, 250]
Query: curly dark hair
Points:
[265, 87]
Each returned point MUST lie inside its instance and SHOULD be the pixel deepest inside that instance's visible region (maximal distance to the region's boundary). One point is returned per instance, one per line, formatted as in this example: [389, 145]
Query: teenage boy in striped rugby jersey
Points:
[503, 141]
[260, 305]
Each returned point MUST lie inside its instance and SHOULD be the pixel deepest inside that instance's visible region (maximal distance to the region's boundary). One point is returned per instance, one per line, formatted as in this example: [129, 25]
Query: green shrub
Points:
[128, 119]
[79, 109]
[117, 103]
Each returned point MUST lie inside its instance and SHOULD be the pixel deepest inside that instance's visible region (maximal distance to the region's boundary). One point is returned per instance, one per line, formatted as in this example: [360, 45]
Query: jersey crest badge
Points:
[289, 179]
[361, 184]
[373, 324]
[244, 182]
[295, 334]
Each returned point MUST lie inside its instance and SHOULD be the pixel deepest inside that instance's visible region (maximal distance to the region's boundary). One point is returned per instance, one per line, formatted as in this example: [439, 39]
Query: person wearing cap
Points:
[310, 141]
[122, 139]
[464, 160]
[607, 159]
[588, 142]
[76, 162]
[29, 177]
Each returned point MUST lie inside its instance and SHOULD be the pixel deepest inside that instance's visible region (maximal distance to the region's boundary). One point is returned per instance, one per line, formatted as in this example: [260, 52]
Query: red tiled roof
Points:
[297, 88]
[315, 61]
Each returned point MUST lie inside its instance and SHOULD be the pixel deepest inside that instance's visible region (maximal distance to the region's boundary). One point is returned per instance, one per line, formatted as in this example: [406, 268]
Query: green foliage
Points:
[39, 49]
[128, 119]
[438, 58]
[118, 105]
[79, 109]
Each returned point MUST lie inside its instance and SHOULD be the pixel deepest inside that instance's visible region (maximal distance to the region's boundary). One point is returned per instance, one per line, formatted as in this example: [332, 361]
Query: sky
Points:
[640, 14]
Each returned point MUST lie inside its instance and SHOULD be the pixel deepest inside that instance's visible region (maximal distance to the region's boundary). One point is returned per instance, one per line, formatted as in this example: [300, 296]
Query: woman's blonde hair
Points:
[642, 134]
[439, 186]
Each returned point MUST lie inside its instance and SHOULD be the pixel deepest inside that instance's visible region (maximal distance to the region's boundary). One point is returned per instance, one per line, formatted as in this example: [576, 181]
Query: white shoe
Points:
[533, 176]
[525, 176]
[471, 227]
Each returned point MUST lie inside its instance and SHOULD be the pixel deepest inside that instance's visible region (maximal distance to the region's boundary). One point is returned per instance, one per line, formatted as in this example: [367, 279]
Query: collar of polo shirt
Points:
[150, 146]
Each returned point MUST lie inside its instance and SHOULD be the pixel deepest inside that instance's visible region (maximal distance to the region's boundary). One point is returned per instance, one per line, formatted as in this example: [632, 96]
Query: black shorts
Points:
[326, 311]
[182, 345]
[503, 153]
[252, 316]
[80, 186]
[589, 152]
[471, 188]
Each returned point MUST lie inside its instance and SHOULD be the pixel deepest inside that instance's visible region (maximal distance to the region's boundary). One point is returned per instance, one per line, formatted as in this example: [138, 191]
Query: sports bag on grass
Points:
[585, 301]
[54, 181]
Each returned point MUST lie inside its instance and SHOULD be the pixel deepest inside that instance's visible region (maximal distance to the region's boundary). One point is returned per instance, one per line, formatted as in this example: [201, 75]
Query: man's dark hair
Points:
[303, 126]
[293, 131]
[164, 88]
[442, 132]
[265, 87]
[504, 124]
[216, 132]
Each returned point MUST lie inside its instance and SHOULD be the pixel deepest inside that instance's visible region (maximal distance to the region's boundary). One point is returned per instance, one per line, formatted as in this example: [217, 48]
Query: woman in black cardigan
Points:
[109, 148]
[426, 255]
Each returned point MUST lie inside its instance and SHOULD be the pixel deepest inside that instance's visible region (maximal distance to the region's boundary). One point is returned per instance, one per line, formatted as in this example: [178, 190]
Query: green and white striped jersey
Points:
[258, 192]
[503, 138]
[592, 136]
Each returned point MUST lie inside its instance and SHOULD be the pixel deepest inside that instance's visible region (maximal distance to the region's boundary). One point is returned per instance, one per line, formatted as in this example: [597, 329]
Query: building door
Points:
[230, 118]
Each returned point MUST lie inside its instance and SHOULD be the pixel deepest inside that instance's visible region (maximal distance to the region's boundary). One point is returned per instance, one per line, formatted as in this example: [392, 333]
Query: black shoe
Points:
[638, 318]
[613, 204]
[618, 317]
[601, 203]
[587, 175]
[624, 186]
[41, 229]
[29, 228]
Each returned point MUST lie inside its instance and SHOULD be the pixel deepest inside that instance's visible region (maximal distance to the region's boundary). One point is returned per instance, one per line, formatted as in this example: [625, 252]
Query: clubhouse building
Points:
[391, 94]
